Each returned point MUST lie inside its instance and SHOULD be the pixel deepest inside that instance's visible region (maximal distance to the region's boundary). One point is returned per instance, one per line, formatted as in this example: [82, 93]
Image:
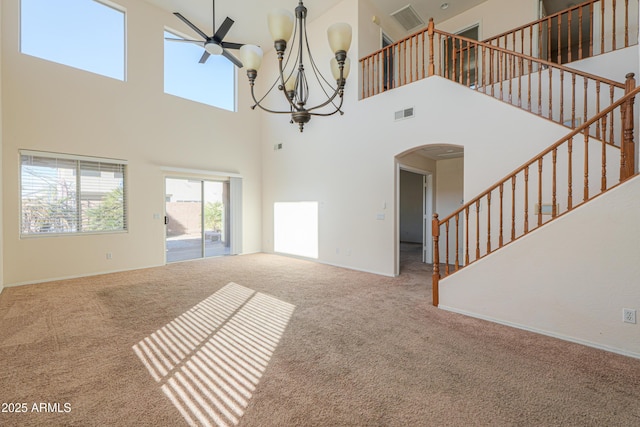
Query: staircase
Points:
[529, 68]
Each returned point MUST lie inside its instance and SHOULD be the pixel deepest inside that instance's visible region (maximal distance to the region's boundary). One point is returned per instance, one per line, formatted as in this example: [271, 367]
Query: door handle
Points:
[166, 220]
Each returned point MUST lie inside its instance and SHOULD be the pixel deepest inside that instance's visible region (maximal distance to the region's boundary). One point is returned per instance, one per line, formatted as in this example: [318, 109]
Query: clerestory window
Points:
[84, 34]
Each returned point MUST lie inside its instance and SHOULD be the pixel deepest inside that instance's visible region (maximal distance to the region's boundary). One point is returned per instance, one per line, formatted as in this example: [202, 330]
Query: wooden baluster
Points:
[614, 29]
[573, 101]
[561, 96]
[598, 109]
[603, 178]
[570, 13]
[430, 29]
[570, 174]
[580, 33]
[457, 241]
[370, 74]
[363, 79]
[530, 53]
[550, 93]
[477, 229]
[488, 223]
[549, 39]
[591, 30]
[404, 60]
[540, 40]
[446, 247]
[513, 208]
[484, 69]
[468, 64]
[539, 192]
[559, 54]
[602, 47]
[627, 148]
[476, 81]
[376, 70]
[435, 277]
[586, 96]
[491, 71]
[554, 200]
[411, 60]
[539, 90]
[520, 72]
[626, 23]
[454, 58]
[586, 166]
[529, 83]
[611, 125]
[500, 76]
[466, 228]
[424, 46]
[604, 127]
[500, 236]
[509, 76]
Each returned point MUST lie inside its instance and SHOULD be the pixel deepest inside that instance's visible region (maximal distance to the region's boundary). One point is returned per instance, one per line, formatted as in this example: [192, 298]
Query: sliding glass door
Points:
[197, 219]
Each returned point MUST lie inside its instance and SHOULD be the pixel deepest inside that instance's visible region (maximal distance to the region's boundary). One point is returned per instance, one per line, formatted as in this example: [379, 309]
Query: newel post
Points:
[435, 232]
[628, 148]
[430, 29]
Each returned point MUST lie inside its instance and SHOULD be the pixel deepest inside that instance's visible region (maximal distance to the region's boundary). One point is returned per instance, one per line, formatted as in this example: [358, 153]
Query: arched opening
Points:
[429, 179]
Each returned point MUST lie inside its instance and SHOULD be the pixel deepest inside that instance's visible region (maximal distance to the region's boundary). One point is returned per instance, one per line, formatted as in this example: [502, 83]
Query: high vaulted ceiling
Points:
[250, 15]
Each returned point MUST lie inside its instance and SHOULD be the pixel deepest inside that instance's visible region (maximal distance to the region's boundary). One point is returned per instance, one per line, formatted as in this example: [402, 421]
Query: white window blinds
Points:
[63, 194]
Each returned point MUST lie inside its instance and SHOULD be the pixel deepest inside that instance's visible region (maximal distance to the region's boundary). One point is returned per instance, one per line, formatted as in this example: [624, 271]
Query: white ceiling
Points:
[250, 15]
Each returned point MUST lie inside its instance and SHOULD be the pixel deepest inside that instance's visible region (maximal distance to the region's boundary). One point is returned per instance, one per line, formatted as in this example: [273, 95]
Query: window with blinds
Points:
[63, 194]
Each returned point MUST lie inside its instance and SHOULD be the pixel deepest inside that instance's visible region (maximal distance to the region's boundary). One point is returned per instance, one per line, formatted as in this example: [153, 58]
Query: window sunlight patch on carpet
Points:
[210, 359]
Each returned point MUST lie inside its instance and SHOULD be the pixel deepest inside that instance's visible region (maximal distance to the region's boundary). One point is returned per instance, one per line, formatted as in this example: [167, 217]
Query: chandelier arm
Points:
[328, 101]
[338, 109]
[293, 106]
[257, 104]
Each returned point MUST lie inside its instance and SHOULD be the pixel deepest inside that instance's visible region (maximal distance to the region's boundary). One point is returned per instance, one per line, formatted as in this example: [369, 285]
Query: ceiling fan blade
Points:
[204, 57]
[232, 58]
[193, 27]
[200, 42]
[229, 45]
[223, 30]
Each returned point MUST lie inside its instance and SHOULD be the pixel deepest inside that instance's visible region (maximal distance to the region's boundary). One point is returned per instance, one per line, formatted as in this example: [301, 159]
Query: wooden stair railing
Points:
[581, 31]
[552, 91]
[556, 181]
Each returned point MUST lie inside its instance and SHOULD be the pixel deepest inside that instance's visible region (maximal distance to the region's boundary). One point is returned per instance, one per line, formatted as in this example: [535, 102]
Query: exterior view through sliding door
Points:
[197, 219]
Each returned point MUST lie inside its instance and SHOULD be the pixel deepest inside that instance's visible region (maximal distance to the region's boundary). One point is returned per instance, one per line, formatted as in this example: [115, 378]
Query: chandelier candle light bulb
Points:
[294, 82]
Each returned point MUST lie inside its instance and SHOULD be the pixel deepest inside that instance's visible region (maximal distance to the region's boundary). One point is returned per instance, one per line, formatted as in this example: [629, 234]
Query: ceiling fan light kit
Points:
[294, 83]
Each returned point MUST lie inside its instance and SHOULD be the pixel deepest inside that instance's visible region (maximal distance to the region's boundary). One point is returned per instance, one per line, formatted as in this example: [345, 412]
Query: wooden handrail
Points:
[542, 62]
[621, 110]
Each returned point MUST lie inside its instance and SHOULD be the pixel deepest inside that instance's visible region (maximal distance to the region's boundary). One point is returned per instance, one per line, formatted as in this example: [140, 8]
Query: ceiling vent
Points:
[408, 18]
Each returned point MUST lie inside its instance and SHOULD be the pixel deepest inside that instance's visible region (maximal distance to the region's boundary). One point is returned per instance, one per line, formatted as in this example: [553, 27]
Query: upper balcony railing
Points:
[581, 31]
[556, 92]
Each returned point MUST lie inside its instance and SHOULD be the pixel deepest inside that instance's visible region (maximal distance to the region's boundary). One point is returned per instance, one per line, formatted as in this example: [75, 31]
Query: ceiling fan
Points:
[213, 45]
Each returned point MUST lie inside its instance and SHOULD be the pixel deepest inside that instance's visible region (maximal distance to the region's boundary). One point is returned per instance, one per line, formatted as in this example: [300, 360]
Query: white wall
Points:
[569, 279]
[60, 109]
[347, 163]
[494, 17]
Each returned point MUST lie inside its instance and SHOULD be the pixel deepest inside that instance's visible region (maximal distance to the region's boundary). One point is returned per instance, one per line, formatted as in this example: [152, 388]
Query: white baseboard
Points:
[543, 332]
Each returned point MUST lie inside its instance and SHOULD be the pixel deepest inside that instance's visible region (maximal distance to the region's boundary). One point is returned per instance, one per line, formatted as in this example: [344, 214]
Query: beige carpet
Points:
[263, 340]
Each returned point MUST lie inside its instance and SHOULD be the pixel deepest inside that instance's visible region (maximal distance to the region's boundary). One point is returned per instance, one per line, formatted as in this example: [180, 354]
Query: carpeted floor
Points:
[264, 340]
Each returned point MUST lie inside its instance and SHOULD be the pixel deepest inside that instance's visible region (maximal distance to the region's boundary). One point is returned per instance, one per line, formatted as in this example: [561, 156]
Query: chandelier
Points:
[292, 81]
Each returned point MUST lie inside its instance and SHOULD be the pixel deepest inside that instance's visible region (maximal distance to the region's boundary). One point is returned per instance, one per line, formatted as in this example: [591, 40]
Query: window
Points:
[62, 194]
[212, 83]
[84, 34]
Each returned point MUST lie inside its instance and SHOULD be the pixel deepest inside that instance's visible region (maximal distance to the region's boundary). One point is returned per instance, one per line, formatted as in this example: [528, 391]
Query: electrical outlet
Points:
[109, 256]
[628, 315]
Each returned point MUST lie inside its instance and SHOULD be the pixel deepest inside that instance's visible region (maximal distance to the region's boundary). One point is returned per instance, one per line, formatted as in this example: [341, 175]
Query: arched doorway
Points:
[429, 179]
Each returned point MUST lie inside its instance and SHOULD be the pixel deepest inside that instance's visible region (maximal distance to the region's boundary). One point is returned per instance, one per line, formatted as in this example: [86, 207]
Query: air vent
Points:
[408, 18]
[404, 114]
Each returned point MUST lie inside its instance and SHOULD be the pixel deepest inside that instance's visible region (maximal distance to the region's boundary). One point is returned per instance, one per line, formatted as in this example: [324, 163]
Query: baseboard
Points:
[543, 332]
[57, 279]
